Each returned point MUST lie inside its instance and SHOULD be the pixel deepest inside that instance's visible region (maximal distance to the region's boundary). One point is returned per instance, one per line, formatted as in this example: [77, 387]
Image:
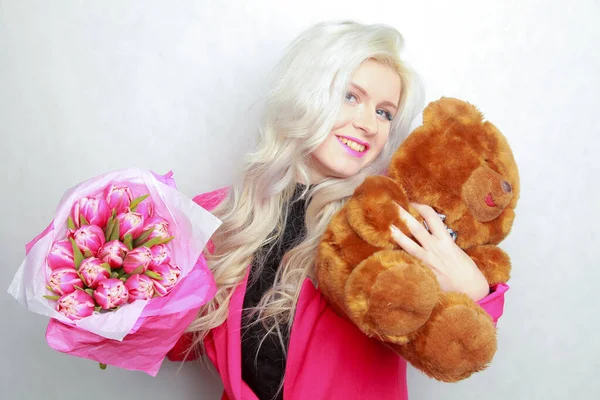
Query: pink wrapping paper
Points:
[156, 331]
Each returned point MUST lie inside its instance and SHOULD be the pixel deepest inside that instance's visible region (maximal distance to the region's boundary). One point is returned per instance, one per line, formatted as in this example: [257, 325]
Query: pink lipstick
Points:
[350, 150]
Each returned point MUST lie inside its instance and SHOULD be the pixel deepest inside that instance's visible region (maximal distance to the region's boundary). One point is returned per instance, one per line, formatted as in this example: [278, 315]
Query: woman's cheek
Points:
[377, 148]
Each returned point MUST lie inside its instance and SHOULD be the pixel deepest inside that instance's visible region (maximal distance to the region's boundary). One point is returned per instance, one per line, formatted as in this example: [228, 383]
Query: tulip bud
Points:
[118, 198]
[111, 293]
[93, 272]
[137, 260]
[61, 255]
[160, 255]
[169, 275]
[63, 281]
[140, 287]
[146, 208]
[113, 252]
[161, 228]
[76, 305]
[130, 223]
[94, 211]
[89, 238]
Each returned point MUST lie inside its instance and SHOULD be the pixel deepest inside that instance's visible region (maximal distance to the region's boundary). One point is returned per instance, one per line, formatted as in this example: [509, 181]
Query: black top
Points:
[264, 373]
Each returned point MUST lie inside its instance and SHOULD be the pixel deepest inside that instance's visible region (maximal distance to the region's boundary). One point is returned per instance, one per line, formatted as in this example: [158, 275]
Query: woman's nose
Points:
[366, 121]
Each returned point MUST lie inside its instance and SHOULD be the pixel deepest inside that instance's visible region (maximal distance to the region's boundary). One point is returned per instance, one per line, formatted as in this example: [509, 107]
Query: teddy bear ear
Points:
[447, 109]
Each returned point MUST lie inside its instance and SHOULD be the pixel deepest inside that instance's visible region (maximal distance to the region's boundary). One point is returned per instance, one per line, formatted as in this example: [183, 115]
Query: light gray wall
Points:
[91, 86]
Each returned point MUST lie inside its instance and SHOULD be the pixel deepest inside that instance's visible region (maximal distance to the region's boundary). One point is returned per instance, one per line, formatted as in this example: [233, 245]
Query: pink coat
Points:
[328, 357]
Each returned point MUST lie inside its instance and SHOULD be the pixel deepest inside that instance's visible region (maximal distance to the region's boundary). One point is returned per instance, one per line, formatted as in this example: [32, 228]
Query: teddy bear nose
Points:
[506, 187]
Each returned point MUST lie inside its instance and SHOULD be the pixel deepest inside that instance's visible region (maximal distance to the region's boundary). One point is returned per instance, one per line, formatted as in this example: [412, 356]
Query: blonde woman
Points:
[341, 101]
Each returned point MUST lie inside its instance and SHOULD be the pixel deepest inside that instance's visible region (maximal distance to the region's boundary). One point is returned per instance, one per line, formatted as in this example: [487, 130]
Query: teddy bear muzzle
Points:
[486, 193]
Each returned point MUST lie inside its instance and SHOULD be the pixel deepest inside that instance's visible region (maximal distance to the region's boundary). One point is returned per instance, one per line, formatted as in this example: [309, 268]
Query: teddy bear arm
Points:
[458, 340]
[493, 262]
[373, 208]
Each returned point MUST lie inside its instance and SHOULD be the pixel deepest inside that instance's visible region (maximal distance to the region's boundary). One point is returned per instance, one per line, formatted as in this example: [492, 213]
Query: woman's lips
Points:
[489, 201]
[351, 151]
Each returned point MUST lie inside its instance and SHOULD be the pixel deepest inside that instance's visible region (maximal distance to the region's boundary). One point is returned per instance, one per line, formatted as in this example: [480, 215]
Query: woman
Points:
[341, 101]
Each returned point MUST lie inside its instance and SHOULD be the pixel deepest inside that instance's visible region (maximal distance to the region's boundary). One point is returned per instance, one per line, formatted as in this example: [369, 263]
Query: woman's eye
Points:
[388, 115]
[351, 97]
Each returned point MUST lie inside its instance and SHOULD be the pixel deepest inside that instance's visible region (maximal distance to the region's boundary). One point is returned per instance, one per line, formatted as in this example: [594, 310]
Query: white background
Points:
[91, 86]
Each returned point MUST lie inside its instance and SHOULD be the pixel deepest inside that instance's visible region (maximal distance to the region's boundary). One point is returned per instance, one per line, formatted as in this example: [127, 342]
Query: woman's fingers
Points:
[434, 222]
[408, 244]
[415, 227]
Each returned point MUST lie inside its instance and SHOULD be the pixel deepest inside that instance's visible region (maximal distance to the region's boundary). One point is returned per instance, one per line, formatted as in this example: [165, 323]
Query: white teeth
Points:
[352, 144]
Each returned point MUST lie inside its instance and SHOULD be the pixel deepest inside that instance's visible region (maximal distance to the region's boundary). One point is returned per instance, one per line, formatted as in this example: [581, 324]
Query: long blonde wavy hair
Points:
[307, 89]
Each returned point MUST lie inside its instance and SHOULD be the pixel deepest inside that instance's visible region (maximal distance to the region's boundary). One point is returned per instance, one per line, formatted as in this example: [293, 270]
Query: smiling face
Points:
[363, 124]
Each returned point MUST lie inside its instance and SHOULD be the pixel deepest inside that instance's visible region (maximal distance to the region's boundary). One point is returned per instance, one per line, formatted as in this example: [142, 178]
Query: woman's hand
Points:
[454, 269]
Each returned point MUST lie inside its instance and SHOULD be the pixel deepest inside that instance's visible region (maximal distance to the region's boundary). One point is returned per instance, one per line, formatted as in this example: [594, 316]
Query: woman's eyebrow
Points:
[364, 93]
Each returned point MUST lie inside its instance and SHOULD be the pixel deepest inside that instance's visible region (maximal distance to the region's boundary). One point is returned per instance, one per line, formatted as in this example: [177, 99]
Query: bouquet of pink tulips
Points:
[115, 252]
[120, 269]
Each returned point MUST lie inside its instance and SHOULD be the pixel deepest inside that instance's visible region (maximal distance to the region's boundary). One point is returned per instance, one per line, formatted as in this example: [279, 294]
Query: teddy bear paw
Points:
[390, 295]
[457, 341]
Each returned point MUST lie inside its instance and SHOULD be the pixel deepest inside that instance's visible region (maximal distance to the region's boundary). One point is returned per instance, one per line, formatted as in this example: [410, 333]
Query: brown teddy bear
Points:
[464, 169]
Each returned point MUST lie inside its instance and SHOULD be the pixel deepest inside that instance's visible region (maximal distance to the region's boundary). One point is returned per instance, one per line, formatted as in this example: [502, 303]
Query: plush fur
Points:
[463, 167]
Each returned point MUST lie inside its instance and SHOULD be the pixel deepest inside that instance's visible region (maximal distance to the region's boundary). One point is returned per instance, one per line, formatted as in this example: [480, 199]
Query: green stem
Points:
[137, 201]
[110, 224]
[152, 275]
[77, 254]
[158, 240]
[128, 241]
[143, 237]
[116, 229]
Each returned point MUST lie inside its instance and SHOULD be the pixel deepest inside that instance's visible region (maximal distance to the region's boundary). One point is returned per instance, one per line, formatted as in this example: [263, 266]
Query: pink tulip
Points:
[161, 228]
[95, 211]
[160, 255]
[146, 208]
[92, 272]
[130, 223]
[113, 252]
[169, 275]
[111, 293]
[63, 281]
[140, 287]
[61, 255]
[118, 198]
[90, 238]
[137, 260]
[76, 305]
